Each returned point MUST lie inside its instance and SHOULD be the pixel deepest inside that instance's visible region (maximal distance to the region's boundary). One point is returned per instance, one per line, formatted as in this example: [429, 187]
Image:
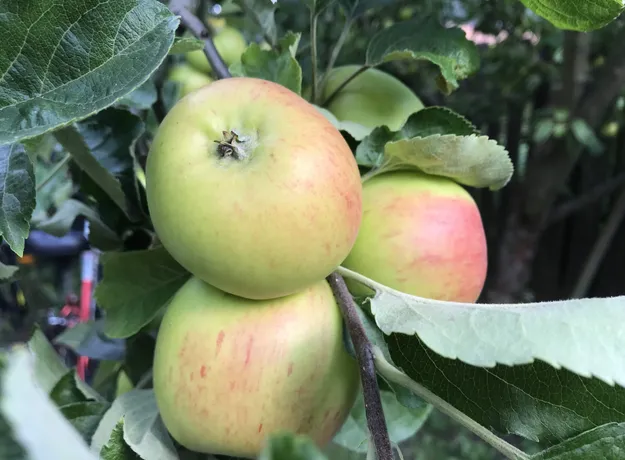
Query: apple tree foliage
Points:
[84, 79]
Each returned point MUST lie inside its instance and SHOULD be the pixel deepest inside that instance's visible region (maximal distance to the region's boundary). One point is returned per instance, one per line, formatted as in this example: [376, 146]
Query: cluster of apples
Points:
[259, 197]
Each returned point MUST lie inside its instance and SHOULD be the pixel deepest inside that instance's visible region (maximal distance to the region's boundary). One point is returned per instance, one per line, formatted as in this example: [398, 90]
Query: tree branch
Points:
[364, 355]
[336, 50]
[201, 31]
[553, 160]
[600, 248]
[565, 210]
[313, 54]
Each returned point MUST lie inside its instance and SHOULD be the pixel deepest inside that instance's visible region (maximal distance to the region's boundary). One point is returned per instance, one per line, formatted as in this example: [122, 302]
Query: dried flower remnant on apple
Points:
[228, 147]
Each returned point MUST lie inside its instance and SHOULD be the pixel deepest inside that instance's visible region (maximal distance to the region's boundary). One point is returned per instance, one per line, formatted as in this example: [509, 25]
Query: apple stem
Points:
[365, 357]
[344, 84]
[336, 50]
[313, 54]
[201, 31]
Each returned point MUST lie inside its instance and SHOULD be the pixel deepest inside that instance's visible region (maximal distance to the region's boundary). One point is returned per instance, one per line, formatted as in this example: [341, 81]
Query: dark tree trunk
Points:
[548, 168]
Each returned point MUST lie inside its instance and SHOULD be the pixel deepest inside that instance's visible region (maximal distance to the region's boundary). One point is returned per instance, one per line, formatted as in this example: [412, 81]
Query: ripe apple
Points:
[229, 42]
[252, 190]
[230, 371]
[422, 235]
[189, 78]
[374, 98]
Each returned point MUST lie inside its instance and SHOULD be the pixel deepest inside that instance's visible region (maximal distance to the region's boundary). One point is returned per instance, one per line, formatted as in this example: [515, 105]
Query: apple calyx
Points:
[229, 145]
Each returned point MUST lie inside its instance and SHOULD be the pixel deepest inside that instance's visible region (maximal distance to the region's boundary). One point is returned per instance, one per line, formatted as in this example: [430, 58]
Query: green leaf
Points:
[544, 130]
[88, 339]
[184, 45]
[41, 430]
[139, 356]
[449, 49]
[105, 378]
[584, 336]
[279, 67]
[101, 146]
[42, 147]
[66, 392]
[580, 15]
[17, 194]
[427, 122]
[144, 431]
[476, 161]
[64, 60]
[116, 448]
[7, 271]
[402, 423]
[287, 446]
[59, 224]
[141, 98]
[522, 369]
[49, 368]
[586, 136]
[58, 187]
[262, 15]
[85, 416]
[135, 287]
[606, 442]
[357, 131]
[10, 449]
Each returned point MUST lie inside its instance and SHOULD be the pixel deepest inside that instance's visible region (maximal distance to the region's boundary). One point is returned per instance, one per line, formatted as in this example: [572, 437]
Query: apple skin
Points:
[422, 235]
[230, 44]
[374, 98]
[189, 78]
[266, 225]
[230, 371]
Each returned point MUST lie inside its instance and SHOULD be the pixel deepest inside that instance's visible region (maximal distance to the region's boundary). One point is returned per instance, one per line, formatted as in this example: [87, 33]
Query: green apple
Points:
[188, 78]
[230, 44]
[610, 129]
[228, 371]
[252, 189]
[422, 235]
[374, 98]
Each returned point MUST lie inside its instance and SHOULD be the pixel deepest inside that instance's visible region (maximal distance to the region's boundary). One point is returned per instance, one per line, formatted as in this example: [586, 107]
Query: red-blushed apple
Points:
[422, 235]
[252, 189]
[230, 371]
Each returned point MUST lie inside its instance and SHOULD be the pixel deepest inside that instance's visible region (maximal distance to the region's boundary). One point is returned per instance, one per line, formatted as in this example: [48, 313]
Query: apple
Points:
[230, 44]
[422, 235]
[252, 189]
[189, 78]
[230, 371]
[374, 98]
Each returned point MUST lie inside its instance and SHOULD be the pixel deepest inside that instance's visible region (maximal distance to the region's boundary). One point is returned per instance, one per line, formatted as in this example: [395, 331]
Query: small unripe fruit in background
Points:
[374, 98]
[188, 78]
[230, 44]
[230, 371]
[422, 235]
